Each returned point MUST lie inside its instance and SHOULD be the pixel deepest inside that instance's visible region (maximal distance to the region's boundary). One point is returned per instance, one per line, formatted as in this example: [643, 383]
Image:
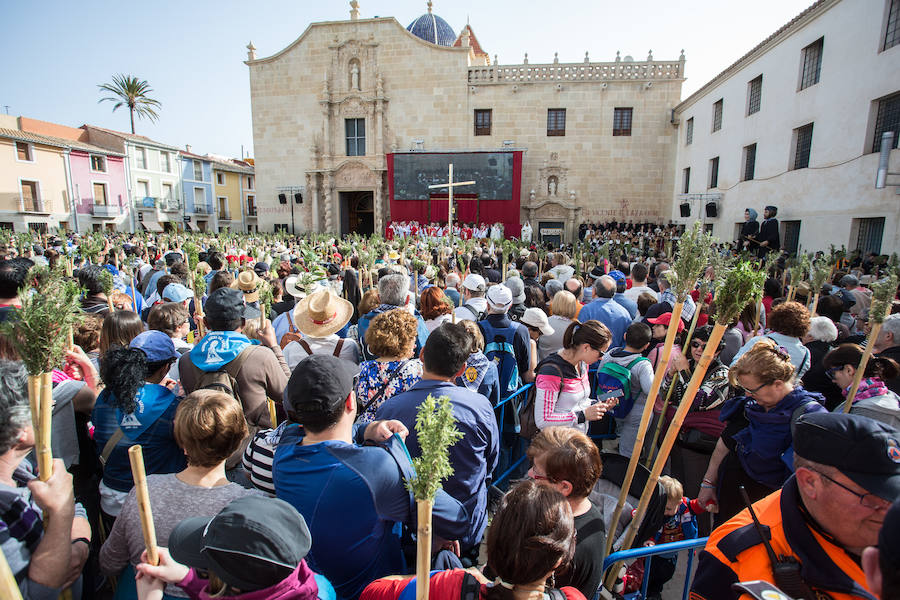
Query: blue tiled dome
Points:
[432, 28]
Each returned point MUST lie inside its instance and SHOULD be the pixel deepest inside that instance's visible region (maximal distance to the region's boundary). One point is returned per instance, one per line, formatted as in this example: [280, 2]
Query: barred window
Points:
[812, 64]
[689, 132]
[869, 235]
[717, 115]
[749, 162]
[803, 146]
[686, 181]
[754, 95]
[556, 121]
[887, 118]
[892, 30]
[622, 121]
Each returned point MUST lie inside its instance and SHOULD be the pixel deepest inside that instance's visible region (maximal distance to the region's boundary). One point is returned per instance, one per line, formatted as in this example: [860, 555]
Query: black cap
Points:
[227, 304]
[253, 543]
[655, 310]
[319, 383]
[889, 537]
[261, 267]
[865, 450]
[597, 272]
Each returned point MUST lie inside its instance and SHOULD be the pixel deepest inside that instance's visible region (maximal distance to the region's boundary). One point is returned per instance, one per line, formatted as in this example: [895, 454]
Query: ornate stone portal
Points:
[547, 203]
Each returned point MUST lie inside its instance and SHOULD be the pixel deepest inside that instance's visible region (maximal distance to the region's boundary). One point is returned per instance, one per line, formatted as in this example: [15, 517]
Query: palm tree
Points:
[128, 90]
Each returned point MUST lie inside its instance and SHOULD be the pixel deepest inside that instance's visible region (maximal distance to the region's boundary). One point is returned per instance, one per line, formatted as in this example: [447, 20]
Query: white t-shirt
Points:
[633, 293]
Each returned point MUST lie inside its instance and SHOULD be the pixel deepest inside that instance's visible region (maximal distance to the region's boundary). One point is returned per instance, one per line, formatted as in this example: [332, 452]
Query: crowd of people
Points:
[278, 434]
[437, 231]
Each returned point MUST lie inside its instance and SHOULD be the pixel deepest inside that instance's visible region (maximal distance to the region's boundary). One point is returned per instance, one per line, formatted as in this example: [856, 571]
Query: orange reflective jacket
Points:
[735, 552]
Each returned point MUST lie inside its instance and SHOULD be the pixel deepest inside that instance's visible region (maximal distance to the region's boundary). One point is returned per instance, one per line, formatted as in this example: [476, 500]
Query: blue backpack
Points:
[498, 347]
[612, 377]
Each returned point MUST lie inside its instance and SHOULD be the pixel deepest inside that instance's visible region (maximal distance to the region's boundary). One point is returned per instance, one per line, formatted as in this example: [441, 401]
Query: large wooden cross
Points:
[450, 185]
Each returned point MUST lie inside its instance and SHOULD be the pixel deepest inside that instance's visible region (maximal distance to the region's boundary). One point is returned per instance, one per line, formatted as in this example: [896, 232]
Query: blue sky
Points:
[192, 52]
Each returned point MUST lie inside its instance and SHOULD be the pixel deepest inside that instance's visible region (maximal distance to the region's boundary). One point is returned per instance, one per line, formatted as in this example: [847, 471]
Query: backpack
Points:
[498, 347]
[527, 423]
[480, 315]
[225, 379]
[612, 377]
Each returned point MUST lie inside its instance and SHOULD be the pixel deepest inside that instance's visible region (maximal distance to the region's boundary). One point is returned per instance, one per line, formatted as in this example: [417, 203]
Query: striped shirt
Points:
[259, 455]
[560, 391]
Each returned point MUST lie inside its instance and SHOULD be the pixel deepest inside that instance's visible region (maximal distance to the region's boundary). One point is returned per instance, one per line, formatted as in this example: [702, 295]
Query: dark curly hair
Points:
[124, 371]
[790, 318]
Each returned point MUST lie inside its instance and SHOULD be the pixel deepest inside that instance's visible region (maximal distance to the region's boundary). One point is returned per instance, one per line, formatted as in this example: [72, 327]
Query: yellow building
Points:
[34, 191]
[230, 178]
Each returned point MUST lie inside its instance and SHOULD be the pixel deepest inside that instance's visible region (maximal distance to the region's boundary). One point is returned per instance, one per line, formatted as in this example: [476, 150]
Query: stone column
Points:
[314, 193]
[571, 226]
[377, 202]
[329, 202]
[326, 129]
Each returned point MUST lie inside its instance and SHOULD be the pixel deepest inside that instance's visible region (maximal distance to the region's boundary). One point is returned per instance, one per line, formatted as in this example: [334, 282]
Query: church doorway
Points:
[551, 232]
[357, 212]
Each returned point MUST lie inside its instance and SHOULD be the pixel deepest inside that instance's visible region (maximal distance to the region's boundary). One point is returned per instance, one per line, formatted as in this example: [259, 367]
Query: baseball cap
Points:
[175, 292]
[227, 304]
[474, 282]
[112, 269]
[318, 383]
[261, 267]
[156, 345]
[665, 319]
[538, 319]
[251, 544]
[865, 450]
[597, 272]
[619, 276]
[517, 289]
[849, 280]
[499, 296]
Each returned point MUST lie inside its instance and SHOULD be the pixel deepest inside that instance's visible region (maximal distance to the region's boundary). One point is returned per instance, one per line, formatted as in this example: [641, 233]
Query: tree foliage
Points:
[128, 90]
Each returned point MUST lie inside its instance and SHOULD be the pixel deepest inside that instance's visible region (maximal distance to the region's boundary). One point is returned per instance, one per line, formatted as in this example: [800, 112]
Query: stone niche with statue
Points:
[552, 208]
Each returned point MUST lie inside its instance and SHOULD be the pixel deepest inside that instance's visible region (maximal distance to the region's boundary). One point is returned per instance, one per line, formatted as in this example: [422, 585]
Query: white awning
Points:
[191, 225]
[151, 224]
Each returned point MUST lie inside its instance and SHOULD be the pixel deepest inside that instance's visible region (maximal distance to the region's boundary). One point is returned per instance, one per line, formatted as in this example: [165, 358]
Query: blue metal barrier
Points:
[502, 424]
[649, 553]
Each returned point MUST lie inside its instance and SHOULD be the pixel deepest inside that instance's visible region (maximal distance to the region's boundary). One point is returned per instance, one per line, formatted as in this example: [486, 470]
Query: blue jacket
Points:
[627, 304]
[765, 446]
[610, 313]
[150, 425]
[363, 325]
[473, 458]
[352, 497]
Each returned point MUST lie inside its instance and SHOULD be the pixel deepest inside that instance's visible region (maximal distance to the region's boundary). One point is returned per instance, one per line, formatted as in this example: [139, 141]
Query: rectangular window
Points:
[869, 235]
[749, 163]
[100, 194]
[198, 171]
[622, 121]
[483, 121]
[164, 162]
[714, 172]
[803, 146]
[887, 118]
[143, 189]
[717, 115]
[686, 181]
[223, 208]
[98, 163]
[30, 198]
[140, 158]
[356, 136]
[23, 151]
[167, 192]
[791, 236]
[249, 182]
[754, 95]
[556, 121]
[220, 178]
[689, 132]
[892, 30]
[251, 206]
[199, 200]
[812, 64]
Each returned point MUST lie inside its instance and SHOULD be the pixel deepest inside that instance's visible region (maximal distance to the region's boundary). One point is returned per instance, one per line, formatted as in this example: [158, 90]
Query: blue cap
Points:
[156, 345]
[112, 269]
[175, 292]
[619, 276]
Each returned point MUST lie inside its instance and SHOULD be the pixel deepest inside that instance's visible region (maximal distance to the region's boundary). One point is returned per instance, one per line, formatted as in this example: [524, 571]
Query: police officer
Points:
[812, 532]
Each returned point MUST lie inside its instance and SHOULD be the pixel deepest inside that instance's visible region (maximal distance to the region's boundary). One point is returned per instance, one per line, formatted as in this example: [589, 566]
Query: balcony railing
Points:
[105, 210]
[224, 216]
[202, 209]
[147, 202]
[251, 211]
[169, 205]
[34, 205]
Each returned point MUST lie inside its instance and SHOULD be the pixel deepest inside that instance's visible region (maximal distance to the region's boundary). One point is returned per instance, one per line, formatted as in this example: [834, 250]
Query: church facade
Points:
[331, 110]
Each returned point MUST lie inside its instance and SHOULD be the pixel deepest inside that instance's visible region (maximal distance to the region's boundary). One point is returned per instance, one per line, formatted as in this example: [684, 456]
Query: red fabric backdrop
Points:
[505, 211]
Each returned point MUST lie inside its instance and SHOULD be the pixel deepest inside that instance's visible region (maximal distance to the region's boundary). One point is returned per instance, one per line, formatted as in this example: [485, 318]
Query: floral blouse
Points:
[393, 377]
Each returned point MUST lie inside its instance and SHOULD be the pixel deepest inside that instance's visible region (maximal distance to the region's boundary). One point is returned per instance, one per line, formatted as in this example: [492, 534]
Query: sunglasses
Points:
[698, 344]
[830, 373]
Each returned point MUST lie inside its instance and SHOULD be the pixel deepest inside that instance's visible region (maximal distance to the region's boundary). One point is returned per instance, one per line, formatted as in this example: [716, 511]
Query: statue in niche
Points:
[354, 76]
[552, 185]
[531, 196]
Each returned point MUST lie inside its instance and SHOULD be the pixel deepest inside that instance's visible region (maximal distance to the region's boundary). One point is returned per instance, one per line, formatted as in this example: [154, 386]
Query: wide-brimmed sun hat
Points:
[248, 282]
[322, 313]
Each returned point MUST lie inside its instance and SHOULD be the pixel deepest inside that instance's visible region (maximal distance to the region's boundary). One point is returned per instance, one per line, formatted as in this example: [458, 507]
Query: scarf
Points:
[868, 388]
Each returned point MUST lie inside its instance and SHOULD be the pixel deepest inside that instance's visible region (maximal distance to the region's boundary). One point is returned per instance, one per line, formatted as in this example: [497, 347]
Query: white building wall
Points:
[838, 186]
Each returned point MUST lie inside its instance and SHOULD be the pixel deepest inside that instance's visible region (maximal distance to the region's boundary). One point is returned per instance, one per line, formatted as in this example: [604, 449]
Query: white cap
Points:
[538, 319]
[474, 282]
[499, 296]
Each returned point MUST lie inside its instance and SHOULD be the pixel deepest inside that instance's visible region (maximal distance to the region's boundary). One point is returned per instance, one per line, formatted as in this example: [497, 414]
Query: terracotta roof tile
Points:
[27, 136]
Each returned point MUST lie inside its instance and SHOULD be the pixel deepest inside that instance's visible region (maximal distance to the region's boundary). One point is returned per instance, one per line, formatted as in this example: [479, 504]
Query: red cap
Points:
[665, 319]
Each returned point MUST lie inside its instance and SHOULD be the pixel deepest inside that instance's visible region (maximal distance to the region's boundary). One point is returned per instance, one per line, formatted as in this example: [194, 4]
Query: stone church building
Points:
[354, 119]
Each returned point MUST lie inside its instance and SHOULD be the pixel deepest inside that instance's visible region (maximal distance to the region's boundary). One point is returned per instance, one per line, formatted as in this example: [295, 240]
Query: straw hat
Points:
[322, 313]
[393, 255]
[290, 286]
[248, 282]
